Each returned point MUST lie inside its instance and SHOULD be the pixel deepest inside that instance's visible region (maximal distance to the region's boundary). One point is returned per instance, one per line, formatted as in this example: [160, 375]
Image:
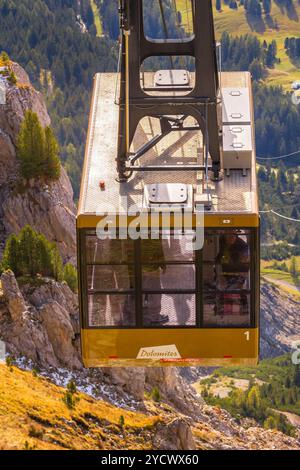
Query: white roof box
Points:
[237, 146]
[236, 106]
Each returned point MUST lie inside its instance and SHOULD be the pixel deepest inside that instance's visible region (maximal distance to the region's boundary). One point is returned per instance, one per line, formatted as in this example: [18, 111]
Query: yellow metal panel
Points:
[218, 220]
[202, 347]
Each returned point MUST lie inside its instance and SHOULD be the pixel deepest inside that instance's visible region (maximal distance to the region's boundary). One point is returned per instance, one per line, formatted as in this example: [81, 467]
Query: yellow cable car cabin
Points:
[168, 222]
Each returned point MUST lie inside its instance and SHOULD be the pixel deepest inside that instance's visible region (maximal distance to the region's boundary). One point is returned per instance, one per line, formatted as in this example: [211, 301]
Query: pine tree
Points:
[267, 4]
[256, 69]
[44, 255]
[51, 161]
[293, 267]
[70, 276]
[10, 258]
[30, 146]
[37, 149]
[28, 252]
[253, 399]
[56, 263]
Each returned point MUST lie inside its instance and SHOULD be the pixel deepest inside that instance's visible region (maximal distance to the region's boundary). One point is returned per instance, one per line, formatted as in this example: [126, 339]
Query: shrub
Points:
[155, 394]
[9, 363]
[270, 423]
[69, 400]
[4, 58]
[35, 432]
[121, 421]
[28, 446]
[71, 387]
[12, 79]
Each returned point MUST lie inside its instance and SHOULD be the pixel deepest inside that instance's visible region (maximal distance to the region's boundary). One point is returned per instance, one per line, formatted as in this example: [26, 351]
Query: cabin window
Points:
[226, 265]
[163, 282]
[110, 280]
[113, 310]
[168, 281]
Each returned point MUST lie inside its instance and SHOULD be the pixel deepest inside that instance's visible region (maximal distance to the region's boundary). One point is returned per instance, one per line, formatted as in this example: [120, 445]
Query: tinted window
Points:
[226, 278]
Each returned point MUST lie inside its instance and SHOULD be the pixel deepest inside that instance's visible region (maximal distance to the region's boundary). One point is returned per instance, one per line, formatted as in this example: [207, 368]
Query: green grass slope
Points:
[235, 22]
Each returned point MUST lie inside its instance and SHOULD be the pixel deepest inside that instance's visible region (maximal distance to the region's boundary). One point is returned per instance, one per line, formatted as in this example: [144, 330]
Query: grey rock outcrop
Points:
[176, 435]
[280, 321]
[173, 389]
[127, 379]
[46, 334]
[49, 210]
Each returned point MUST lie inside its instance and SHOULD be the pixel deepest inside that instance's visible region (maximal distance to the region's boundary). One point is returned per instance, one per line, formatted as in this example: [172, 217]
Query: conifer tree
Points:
[37, 149]
[28, 252]
[30, 146]
[10, 258]
[44, 255]
[51, 160]
[70, 276]
[293, 267]
[297, 376]
[56, 263]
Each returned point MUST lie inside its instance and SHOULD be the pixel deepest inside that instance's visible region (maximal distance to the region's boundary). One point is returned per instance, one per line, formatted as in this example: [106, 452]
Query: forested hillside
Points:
[270, 393]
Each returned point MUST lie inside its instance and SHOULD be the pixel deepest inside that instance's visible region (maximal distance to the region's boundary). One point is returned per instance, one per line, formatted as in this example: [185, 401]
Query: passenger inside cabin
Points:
[235, 266]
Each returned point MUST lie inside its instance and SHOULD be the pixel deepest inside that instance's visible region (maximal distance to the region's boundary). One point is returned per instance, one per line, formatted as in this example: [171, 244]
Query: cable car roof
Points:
[100, 190]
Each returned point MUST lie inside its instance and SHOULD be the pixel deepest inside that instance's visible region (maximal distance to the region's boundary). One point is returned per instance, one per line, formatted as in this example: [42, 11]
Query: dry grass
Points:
[32, 410]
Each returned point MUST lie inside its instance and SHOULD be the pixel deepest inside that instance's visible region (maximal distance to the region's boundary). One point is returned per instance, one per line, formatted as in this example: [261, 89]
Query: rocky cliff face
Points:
[40, 323]
[48, 209]
[280, 321]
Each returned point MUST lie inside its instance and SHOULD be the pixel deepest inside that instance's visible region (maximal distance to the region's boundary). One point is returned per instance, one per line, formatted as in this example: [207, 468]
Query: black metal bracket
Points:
[135, 103]
[167, 168]
[167, 125]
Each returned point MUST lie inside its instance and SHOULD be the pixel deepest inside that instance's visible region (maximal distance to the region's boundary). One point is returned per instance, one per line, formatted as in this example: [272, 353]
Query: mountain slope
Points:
[35, 416]
[281, 23]
[36, 413]
[268, 393]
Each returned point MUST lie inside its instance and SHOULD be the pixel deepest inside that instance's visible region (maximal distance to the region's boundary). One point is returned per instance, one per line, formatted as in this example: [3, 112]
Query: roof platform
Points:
[235, 194]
